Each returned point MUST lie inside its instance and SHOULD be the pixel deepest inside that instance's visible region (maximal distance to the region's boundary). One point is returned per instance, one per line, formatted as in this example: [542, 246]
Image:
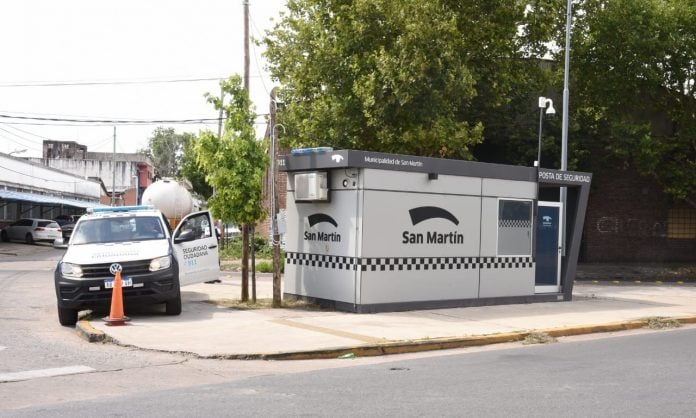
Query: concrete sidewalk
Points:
[207, 330]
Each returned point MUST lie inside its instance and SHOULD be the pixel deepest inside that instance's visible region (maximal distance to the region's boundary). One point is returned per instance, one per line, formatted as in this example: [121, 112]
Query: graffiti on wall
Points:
[631, 227]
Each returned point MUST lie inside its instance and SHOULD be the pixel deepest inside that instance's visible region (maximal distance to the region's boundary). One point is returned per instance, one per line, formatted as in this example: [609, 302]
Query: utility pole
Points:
[246, 46]
[222, 226]
[274, 204]
[564, 129]
[246, 228]
[220, 115]
[113, 173]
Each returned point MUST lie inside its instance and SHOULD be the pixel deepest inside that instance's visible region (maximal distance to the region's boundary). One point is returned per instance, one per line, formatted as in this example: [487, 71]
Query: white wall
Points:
[125, 170]
[22, 174]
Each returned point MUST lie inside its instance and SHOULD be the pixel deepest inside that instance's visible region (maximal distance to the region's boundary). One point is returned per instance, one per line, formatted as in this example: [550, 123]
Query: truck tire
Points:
[5, 238]
[173, 306]
[67, 317]
[29, 239]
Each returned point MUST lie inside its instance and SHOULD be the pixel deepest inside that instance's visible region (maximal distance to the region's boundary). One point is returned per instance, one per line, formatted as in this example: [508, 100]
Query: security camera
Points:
[550, 111]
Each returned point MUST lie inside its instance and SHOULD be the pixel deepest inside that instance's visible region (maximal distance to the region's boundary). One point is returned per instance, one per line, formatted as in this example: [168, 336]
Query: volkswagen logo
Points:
[115, 268]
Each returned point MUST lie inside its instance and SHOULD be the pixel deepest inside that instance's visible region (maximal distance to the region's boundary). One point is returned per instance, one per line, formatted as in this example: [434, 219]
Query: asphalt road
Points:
[47, 370]
[640, 375]
[43, 364]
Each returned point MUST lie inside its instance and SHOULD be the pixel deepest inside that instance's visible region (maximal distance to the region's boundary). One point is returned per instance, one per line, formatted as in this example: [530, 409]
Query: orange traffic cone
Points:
[116, 316]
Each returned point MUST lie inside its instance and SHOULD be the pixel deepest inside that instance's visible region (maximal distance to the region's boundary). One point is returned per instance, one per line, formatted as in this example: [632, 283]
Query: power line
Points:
[40, 178]
[22, 138]
[111, 121]
[91, 144]
[105, 82]
[256, 58]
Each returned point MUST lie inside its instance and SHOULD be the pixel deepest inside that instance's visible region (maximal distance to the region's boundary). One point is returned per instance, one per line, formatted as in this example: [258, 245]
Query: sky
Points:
[122, 60]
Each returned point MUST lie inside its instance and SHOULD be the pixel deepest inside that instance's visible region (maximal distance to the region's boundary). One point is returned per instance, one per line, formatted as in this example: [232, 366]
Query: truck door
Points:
[196, 249]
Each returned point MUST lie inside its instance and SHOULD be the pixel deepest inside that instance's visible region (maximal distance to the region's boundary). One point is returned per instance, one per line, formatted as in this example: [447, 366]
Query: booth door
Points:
[548, 248]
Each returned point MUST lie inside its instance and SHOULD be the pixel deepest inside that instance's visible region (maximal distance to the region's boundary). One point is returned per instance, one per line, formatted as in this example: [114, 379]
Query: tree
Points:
[191, 170]
[172, 155]
[165, 150]
[234, 165]
[398, 76]
[633, 94]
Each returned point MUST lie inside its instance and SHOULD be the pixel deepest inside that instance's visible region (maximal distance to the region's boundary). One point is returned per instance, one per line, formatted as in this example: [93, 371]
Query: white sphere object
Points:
[170, 197]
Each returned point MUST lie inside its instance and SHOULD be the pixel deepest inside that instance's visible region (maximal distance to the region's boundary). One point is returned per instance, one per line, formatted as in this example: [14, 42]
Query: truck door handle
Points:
[212, 246]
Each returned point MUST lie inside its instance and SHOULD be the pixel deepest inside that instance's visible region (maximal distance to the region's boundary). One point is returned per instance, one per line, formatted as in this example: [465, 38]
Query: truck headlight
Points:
[72, 270]
[160, 263]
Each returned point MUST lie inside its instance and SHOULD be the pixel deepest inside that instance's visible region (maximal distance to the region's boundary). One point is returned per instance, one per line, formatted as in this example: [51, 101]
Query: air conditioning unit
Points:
[312, 186]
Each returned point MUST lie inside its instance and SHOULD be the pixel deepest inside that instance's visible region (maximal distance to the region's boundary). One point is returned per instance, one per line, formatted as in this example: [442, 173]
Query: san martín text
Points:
[431, 237]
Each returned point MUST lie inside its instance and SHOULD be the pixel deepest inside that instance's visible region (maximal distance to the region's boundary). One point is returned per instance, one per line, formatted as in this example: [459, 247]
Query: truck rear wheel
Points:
[173, 306]
[66, 316]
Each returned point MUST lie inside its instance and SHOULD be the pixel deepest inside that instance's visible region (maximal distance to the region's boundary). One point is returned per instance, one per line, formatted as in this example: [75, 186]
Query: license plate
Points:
[125, 282]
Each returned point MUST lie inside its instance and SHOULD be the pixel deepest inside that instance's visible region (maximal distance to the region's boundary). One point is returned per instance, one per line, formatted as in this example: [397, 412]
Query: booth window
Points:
[514, 227]
[681, 223]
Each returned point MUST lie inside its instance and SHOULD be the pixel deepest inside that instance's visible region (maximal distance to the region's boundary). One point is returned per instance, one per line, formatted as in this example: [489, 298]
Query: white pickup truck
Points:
[154, 261]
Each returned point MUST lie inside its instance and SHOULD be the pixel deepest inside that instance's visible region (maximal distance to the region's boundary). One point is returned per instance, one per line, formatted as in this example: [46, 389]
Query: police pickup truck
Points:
[137, 241]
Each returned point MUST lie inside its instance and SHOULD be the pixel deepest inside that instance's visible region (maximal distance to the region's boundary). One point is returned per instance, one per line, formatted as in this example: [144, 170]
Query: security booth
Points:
[372, 232]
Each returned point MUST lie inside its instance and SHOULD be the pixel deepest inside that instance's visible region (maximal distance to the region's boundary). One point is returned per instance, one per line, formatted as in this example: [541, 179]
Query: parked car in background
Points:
[231, 231]
[67, 219]
[67, 231]
[67, 224]
[32, 230]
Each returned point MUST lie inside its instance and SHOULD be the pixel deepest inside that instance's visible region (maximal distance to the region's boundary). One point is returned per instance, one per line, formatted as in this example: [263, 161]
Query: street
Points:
[47, 370]
[43, 363]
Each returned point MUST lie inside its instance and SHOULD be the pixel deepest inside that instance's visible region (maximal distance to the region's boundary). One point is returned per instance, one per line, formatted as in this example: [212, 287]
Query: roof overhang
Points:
[42, 199]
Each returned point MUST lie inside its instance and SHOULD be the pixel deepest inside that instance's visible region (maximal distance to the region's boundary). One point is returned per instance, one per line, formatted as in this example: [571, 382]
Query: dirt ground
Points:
[647, 272]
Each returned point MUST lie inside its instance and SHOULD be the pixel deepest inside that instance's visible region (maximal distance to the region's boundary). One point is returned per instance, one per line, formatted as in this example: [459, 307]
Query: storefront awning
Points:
[42, 199]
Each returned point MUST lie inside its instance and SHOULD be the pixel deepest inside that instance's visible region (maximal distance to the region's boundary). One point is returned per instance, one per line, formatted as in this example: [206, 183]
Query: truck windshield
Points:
[118, 229]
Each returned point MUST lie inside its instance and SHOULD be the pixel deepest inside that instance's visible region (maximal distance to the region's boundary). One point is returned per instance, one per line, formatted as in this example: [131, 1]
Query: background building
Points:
[128, 174]
[32, 190]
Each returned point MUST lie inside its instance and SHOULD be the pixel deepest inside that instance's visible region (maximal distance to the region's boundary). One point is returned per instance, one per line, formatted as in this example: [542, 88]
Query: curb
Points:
[87, 332]
[91, 334]
[414, 346]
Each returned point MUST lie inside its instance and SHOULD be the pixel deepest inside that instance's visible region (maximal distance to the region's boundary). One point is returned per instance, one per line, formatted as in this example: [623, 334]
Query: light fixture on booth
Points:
[550, 112]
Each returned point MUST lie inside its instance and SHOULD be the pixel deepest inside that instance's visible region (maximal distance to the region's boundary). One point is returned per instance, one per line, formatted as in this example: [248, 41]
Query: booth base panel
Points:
[429, 304]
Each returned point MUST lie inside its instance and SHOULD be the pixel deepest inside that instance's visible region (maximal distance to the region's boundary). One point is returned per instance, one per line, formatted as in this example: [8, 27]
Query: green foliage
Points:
[234, 164]
[633, 88]
[172, 155]
[191, 170]
[267, 266]
[233, 248]
[404, 76]
[436, 77]
[164, 149]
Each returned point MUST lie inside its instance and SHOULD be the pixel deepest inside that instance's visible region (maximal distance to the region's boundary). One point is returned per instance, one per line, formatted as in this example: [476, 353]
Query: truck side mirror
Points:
[184, 236]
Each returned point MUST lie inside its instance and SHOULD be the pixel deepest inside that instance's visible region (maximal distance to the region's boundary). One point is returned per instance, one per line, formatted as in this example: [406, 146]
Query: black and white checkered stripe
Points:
[321, 260]
[407, 263]
[515, 223]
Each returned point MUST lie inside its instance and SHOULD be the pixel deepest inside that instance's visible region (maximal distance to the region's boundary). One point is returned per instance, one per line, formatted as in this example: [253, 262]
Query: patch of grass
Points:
[232, 248]
[659, 322]
[264, 304]
[262, 265]
[535, 337]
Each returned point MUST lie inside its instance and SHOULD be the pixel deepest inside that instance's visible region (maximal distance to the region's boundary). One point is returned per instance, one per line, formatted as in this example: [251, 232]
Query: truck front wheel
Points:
[173, 306]
[66, 316]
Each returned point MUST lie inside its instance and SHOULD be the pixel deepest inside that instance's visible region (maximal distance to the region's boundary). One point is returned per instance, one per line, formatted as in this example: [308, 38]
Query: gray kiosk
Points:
[371, 232]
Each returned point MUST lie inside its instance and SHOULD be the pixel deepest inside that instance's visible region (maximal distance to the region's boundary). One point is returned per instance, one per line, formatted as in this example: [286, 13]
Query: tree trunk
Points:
[276, 271]
[253, 264]
[245, 263]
